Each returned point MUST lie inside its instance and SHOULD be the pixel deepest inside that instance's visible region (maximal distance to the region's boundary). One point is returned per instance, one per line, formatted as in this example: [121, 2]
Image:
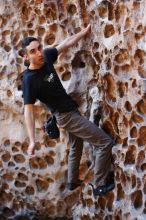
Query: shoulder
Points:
[50, 50]
[50, 54]
[27, 75]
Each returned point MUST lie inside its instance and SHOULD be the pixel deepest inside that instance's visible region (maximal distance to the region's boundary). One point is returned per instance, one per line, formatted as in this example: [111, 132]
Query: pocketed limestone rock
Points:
[107, 68]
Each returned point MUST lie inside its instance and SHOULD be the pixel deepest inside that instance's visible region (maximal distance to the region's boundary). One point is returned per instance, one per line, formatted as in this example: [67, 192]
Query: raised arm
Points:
[30, 125]
[70, 41]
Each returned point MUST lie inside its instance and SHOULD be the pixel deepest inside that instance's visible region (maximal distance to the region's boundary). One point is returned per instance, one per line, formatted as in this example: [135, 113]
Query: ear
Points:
[25, 56]
[26, 60]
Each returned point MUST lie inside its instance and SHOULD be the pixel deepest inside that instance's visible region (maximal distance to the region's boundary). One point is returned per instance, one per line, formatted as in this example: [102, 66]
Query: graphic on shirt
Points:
[49, 78]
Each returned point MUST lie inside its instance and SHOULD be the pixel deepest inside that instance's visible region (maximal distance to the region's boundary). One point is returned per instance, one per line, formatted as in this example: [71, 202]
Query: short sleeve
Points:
[29, 92]
[50, 54]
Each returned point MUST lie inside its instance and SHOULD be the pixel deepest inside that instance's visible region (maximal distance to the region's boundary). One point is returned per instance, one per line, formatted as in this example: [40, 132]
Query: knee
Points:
[110, 142]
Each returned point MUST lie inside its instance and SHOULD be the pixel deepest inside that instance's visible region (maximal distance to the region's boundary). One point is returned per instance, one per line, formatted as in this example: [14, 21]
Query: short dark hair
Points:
[25, 42]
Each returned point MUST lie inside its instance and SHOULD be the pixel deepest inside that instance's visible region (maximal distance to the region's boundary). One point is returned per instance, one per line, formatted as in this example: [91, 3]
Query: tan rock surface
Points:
[106, 74]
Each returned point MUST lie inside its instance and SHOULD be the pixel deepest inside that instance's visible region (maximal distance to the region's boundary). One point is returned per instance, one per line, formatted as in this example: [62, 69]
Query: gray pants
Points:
[79, 129]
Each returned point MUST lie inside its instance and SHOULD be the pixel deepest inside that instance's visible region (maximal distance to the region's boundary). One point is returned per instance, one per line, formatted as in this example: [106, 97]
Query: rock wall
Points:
[106, 74]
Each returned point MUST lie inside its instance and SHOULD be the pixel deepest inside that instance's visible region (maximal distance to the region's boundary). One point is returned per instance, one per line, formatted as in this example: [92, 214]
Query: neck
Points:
[33, 66]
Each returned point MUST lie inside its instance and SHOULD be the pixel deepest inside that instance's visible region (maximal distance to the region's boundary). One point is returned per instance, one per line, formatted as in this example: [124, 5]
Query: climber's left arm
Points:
[70, 41]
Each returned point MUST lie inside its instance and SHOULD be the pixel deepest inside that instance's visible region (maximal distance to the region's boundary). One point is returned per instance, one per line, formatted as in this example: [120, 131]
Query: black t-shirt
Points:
[44, 84]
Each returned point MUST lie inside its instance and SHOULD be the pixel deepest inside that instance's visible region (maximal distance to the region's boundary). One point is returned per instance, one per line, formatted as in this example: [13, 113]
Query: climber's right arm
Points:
[30, 125]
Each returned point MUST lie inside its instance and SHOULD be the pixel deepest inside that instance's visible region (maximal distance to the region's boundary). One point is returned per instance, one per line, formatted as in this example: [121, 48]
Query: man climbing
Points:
[40, 81]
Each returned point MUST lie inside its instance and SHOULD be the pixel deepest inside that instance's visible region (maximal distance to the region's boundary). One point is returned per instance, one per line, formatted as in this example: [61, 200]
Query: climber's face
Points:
[34, 55]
